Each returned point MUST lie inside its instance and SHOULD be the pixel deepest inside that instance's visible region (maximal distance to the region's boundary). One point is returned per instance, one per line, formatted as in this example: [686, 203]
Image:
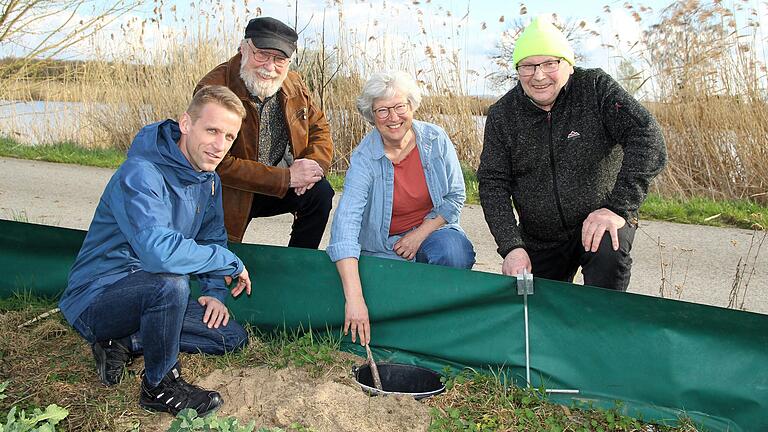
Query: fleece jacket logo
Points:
[573, 134]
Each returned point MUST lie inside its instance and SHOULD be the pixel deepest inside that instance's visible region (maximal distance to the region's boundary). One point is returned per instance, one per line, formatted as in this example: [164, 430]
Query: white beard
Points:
[261, 82]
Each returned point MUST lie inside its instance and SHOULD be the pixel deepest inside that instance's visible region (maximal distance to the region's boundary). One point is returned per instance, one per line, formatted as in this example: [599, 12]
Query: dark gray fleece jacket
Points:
[598, 147]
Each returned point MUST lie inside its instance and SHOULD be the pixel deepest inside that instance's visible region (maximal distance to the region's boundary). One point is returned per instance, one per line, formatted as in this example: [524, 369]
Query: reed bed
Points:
[704, 77]
[699, 67]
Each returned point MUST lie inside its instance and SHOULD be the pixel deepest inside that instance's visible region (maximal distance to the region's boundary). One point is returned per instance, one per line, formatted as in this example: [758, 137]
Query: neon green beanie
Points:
[542, 38]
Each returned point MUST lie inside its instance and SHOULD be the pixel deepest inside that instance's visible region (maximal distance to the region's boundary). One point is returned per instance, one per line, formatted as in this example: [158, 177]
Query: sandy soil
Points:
[329, 403]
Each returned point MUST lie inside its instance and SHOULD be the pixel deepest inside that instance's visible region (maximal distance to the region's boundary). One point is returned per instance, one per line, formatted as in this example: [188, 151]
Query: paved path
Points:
[690, 262]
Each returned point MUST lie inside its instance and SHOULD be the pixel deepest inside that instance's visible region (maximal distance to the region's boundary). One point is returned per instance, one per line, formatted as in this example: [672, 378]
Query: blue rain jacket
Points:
[159, 215]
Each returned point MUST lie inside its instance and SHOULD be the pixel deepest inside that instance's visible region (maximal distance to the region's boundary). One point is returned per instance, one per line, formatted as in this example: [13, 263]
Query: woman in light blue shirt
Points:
[397, 203]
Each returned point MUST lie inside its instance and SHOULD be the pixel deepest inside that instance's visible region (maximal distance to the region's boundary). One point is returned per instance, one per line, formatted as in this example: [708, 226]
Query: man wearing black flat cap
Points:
[279, 160]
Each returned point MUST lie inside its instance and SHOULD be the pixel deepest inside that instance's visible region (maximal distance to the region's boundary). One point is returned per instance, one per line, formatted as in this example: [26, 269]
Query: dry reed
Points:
[704, 69]
[699, 67]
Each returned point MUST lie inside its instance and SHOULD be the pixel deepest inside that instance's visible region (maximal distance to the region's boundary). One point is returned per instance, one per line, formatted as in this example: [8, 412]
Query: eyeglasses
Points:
[263, 57]
[548, 66]
[383, 112]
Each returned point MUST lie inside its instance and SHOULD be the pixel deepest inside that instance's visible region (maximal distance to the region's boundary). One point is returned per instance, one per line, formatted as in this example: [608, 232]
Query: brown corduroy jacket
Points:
[241, 173]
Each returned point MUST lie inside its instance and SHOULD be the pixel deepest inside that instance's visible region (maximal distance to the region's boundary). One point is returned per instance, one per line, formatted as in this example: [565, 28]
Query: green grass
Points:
[471, 184]
[336, 180]
[22, 299]
[706, 211]
[65, 152]
[485, 402]
[698, 211]
[18, 216]
[299, 348]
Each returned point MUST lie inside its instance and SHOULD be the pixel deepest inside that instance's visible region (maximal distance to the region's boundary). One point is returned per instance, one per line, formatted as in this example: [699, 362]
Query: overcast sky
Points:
[473, 28]
[470, 28]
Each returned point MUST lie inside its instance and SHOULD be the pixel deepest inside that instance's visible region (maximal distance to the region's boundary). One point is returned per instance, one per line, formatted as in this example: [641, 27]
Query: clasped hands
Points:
[304, 174]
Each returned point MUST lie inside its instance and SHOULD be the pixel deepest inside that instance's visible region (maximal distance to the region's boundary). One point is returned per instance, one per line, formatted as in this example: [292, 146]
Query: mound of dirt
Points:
[333, 402]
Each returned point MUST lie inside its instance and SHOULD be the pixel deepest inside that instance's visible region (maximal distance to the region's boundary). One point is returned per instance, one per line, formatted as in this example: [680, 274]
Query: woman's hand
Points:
[410, 243]
[356, 319]
[355, 310]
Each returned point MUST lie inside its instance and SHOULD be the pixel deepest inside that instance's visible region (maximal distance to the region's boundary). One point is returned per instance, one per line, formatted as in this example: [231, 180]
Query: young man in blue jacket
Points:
[576, 153]
[159, 221]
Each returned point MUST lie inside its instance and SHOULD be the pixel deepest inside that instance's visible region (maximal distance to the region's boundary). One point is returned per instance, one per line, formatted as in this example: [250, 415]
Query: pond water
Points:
[42, 121]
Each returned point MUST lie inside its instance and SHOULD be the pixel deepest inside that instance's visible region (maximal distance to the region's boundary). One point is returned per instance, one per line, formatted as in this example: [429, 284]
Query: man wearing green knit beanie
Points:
[575, 153]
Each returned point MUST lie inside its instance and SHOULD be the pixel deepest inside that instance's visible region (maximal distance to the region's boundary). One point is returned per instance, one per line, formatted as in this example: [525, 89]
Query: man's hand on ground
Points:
[304, 172]
[596, 224]
[515, 262]
[216, 313]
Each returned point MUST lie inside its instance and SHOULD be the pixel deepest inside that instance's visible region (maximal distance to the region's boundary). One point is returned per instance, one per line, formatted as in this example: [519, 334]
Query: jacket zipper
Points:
[554, 171]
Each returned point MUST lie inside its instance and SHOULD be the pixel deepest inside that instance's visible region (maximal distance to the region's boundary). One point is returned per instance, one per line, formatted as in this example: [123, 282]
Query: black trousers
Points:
[605, 268]
[310, 212]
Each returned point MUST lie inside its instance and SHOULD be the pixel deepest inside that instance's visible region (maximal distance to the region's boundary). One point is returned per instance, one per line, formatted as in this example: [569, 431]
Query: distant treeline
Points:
[12, 68]
[33, 69]
[477, 105]
[75, 71]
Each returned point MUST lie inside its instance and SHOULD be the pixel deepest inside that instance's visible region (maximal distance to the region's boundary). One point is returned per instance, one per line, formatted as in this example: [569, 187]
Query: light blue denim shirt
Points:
[361, 222]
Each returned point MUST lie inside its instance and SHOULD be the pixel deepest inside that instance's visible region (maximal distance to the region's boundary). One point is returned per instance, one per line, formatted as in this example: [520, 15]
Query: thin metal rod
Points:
[527, 347]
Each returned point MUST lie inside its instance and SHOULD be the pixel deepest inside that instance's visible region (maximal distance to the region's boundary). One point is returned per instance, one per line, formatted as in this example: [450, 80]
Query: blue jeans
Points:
[447, 247]
[154, 314]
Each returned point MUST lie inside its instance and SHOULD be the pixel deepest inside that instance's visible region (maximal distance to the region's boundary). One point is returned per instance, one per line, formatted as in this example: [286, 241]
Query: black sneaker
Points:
[173, 394]
[111, 359]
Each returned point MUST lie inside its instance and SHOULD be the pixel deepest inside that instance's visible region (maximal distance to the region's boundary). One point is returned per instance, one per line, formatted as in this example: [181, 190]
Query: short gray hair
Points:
[385, 85]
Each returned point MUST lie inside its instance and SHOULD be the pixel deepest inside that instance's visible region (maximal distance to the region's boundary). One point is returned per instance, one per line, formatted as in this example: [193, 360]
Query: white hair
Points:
[385, 85]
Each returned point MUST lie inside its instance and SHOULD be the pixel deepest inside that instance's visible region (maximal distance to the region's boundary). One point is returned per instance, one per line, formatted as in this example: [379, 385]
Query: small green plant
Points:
[482, 402]
[471, 184]
[188, 421]
[18, 216]
[35, 421]
[336, 179]
[299, 428]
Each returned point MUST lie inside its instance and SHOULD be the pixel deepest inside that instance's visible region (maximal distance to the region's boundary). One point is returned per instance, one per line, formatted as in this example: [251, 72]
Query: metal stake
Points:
[525, 287]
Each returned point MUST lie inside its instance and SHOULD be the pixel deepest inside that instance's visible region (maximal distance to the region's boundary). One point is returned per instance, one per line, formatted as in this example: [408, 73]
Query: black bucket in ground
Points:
[400, 379]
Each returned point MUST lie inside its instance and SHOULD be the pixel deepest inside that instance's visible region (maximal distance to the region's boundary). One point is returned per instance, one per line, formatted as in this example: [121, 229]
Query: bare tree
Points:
[506, 77]
[34, 30]
[629, 77]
